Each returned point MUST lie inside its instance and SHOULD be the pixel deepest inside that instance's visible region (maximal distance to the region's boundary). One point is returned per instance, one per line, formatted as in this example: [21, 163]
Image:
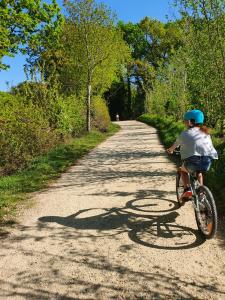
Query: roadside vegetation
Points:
[85, 67]
[178, 65]
[59, 113]
[43, 169]
[169, 129]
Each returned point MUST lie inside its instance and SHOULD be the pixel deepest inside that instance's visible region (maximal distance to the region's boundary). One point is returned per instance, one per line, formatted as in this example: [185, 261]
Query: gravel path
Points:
[110, 228]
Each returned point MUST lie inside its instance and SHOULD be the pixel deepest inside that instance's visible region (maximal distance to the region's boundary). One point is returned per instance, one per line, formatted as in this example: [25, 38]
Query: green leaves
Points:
[93, 50]
[161, 40]
[206, 55]
[135, 38]
[23, 22]
[191, 74]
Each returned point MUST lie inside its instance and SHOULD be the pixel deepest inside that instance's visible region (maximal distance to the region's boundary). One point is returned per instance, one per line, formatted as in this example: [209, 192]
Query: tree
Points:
[205, 32]
[152, 45]
[134, 35]
[135, 38]
[162, 40]
[94, 48]
[169, 93]
[26, 22]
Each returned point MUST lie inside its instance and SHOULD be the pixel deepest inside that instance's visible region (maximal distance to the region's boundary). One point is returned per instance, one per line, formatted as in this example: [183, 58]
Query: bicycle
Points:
[203, 203]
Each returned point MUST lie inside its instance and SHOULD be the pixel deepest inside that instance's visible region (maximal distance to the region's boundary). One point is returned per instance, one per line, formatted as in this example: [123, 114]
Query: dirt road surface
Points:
[110, 228]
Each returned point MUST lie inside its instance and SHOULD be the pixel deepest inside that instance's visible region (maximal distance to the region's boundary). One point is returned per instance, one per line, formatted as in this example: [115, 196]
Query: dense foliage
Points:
[175, 66]
[81, 64]
[194, 76]
[24, 133]
[28, 129]
[71, 62]
[27, 26]
[47, 167]
[152, 44]
[94, 48]
[168, 128]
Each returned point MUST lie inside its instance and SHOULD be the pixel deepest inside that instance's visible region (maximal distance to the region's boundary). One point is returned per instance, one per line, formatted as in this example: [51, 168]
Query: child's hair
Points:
[202, 127]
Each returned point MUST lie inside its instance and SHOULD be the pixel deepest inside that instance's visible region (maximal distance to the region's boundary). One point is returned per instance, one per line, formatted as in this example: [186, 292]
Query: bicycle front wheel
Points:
[206, 215]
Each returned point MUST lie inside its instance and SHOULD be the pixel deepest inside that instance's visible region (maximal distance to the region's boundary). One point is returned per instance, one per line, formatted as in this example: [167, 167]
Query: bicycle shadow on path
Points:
[145, 223]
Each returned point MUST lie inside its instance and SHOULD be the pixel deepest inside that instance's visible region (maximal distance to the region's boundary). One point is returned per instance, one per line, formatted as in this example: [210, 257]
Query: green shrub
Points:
[100, 114]
[216, 175]
[167, 127]
[17, 187]
[24, 133]
[33, 120]
[71, 116]
[42, 95]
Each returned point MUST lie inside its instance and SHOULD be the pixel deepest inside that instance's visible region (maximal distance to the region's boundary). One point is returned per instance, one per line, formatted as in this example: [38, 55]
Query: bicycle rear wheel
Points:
[206, 218]
[179, 187]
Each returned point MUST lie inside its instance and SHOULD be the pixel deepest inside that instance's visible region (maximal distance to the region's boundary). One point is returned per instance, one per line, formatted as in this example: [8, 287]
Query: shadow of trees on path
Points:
[139, 221]
[64, 257]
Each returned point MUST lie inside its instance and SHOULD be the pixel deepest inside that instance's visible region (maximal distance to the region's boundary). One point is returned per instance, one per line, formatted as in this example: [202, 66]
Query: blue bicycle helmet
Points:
[196, 115]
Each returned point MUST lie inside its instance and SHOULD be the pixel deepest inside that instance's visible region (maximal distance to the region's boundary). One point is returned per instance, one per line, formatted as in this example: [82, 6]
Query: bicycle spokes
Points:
[206, 216]
[203, 203]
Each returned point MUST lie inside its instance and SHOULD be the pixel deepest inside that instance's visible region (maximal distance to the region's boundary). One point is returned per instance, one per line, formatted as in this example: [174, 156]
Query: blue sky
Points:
[126, 10]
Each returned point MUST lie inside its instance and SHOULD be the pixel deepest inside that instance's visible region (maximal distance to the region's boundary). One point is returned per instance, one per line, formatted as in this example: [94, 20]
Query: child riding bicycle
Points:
[196, 148]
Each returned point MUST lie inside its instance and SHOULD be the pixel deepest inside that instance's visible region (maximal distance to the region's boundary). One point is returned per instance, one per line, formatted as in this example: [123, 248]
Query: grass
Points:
[167, 128]
[44, 169]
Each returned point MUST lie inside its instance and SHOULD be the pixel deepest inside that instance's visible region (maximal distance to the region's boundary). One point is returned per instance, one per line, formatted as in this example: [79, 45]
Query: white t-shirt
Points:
[195, 142]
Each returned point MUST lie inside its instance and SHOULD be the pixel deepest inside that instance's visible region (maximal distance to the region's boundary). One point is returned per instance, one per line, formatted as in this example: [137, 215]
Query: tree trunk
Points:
[129, 110]
[89, 107]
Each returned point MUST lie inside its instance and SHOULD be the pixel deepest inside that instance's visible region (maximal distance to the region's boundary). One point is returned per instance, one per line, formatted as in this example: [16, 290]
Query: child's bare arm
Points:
[171, 149]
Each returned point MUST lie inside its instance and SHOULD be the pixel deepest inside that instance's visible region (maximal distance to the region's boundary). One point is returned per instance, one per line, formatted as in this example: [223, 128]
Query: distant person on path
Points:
[196, 148]
[117, 117]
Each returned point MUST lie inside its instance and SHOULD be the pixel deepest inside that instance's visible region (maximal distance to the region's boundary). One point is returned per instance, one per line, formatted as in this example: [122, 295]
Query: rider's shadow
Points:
[157, 231]
[111, 219]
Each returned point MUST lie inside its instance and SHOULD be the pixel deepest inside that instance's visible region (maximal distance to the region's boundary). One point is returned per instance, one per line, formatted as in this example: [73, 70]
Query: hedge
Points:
[28, 129]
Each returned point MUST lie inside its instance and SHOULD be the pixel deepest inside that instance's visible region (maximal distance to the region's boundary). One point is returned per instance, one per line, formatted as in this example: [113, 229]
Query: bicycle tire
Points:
[179, 187]
[209, 212]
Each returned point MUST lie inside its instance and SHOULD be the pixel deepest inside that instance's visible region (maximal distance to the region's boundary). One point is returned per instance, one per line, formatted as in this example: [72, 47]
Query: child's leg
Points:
[200, 178]
[185, 177]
